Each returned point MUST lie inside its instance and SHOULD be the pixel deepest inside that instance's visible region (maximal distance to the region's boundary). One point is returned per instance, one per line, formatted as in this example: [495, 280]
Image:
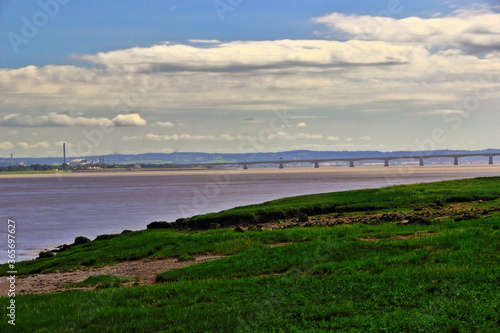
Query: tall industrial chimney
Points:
[64, 153]
[11, 159]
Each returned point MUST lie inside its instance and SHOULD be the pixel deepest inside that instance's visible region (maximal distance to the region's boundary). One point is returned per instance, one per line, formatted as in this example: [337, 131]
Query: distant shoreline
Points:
[393, 170]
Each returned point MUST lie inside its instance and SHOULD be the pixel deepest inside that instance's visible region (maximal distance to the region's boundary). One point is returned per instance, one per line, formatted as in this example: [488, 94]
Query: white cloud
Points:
[205, 41]
[311, 146]
[409, 67]
[25, 145]
[62, 120]
[6, 145]
[176, 137]
[223, 137]
[165, 124]
[68, 144]
[365, 138]
[298, 136]
[307, 117]
[131, 119]
[440, 112]
[468, 28]
[245, 55]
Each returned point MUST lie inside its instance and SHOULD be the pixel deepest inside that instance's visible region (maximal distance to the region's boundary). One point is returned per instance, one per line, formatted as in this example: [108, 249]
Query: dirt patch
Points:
[376, 239]
[281, 244]
[141, 271]
[423, 215]
[369, 239]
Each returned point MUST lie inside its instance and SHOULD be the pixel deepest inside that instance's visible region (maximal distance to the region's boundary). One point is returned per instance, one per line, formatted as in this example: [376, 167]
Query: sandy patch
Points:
[143, 271]
[393, 171]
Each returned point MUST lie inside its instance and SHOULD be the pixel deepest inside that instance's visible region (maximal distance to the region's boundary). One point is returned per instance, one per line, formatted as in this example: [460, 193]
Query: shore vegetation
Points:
[409, 258]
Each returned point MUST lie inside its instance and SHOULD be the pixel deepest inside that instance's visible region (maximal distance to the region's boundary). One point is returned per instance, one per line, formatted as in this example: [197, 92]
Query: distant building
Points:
[78, 162]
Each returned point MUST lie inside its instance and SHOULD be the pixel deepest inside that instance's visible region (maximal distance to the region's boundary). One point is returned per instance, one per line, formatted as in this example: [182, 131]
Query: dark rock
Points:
[469, 216]
[212, 226]
[45, 254]
[81, 240]
[374, 221]
[255, 228]
[239, 229]
[418, 220]
[391, 217]
[62, 248]
[105, 236]
[303, 218]
[160, 225]
[89, 262]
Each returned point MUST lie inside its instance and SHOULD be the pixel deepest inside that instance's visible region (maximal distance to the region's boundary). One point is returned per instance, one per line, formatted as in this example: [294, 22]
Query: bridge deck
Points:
[281, 163]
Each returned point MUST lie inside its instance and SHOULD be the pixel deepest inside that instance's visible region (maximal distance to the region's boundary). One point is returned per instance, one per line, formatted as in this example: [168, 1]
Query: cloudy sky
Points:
[127, 76]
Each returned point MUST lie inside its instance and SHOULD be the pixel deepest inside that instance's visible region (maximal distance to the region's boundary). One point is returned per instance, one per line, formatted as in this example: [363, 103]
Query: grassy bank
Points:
[393, 198]
[431, 267]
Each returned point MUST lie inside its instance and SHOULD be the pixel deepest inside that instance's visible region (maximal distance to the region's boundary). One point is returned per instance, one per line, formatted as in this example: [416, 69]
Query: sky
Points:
[239, 76]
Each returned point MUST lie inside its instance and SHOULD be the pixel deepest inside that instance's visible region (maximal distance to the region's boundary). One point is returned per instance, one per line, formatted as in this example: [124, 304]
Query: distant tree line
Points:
[34, 167]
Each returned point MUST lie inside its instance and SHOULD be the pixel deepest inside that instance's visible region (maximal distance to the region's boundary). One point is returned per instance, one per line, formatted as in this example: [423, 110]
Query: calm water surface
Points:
[50, 210]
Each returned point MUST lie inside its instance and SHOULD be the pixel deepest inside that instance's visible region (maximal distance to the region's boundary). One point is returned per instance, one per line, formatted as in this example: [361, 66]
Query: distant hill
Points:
[195, 157]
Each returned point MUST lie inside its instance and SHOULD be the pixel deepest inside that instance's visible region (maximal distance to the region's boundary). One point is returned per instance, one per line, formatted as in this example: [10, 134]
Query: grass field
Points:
[439, 274]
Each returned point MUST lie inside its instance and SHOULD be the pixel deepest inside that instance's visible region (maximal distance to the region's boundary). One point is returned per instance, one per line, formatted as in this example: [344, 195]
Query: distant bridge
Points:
[281, 163]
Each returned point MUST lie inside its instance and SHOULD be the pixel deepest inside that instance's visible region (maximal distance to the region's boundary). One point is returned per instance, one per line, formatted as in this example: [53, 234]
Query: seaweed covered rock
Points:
[160, 225]
[81, 240]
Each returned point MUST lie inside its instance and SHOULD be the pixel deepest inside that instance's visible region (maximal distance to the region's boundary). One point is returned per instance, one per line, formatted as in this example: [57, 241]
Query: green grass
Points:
[159, 244]
[393, 197]
[441, 277]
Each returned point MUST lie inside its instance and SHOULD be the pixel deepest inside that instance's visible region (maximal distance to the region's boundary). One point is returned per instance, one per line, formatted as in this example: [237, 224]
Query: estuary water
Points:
[53, 209]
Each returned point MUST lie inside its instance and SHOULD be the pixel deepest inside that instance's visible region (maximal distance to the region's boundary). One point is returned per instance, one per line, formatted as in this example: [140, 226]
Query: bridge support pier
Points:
[351, 164]
[281, 166]
[245, 166]
[316, 165]
[490, 160]
[386, 163]
[455, 161]
[421, 163]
